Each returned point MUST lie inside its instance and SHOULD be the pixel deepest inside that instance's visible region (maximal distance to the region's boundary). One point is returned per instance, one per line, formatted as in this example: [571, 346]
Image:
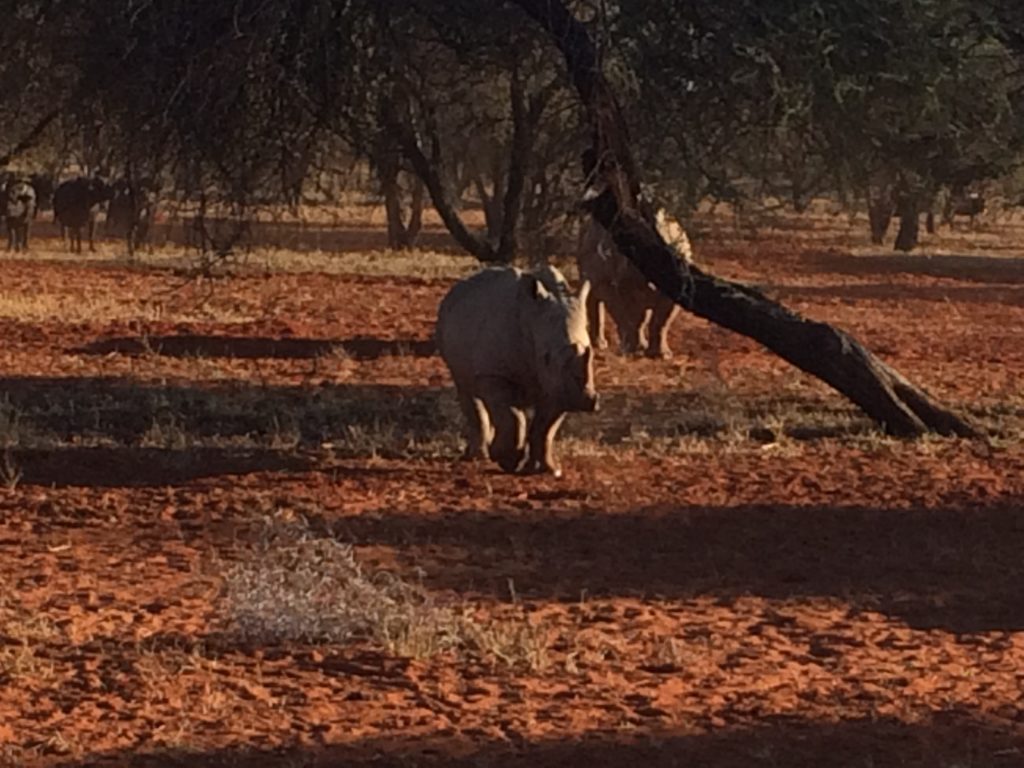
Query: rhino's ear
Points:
[534, 288]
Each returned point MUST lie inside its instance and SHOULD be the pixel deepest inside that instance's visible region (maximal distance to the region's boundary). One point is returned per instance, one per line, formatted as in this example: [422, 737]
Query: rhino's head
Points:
[564, 358]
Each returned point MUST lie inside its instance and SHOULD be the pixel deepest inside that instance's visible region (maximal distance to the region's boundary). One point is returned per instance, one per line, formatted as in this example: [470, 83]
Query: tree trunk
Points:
[415, 225]
[910, 224]
[430, 175]
[503, 206]
[879, 214]
[518, 168]
[490, 203]
[387, 173]
[613, 199]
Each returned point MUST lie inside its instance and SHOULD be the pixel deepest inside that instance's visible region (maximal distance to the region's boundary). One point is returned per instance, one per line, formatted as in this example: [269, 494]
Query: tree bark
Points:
[402, 234]
[879, 215]
[910, 224]
[518, 167]
[415, 225]
[613, 199]
[387, 173]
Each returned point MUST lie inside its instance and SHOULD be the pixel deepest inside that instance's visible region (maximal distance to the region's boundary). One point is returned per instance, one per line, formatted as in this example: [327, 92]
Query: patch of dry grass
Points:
[296, 586]
[415, 263]
[23, 635]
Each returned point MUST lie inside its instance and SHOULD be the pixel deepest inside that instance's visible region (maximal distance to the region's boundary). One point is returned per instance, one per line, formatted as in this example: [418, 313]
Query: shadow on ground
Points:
[980, 269]
[953, 568]
[1010, 295]
[105, 467]
[298, 236]
[48, 413]
[362, 420]
[248, 347]
[951, 741]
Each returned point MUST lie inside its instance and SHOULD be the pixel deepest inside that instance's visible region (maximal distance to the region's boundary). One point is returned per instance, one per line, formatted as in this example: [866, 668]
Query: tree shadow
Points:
[358, 419]
[979, 269]
[124, 467]
[954, 568]
[950, 740]
[1010, 295]
[299, 236]
[361, 348]
[362, 420]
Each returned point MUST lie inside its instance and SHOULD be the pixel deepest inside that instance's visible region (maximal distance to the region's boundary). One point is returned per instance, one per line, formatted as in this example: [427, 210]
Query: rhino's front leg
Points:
[508, 446]
[543, 429]
[478, 427]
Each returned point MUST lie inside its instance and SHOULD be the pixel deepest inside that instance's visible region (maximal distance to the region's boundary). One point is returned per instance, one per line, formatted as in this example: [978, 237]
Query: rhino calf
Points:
[641, 313]
[514, 340]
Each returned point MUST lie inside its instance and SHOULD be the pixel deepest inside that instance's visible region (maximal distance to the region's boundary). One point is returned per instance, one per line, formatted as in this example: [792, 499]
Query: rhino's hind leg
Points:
[662, 315]
[542, 441]
[478, 428]
[629, 320]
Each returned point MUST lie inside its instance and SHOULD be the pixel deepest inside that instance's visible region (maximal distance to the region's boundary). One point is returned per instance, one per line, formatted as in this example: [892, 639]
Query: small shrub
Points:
[294, 586]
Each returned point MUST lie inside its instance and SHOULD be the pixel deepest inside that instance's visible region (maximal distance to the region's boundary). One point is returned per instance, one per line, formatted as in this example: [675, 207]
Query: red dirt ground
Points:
[784, 587]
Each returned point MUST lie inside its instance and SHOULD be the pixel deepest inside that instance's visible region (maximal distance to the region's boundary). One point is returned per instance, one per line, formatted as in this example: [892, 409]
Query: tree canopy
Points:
[249, 101]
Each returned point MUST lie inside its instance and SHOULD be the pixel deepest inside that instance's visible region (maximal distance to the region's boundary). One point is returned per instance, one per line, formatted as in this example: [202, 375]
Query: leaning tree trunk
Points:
[814, 347]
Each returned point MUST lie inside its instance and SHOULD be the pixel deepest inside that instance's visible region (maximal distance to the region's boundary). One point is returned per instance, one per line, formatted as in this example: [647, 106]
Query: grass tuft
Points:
[295, 586]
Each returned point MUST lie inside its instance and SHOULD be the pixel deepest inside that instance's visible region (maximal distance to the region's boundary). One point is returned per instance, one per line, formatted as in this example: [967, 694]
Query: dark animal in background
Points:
[75, 206]
[971, 204]
[130, 213]
[44, 185]
[19, 201]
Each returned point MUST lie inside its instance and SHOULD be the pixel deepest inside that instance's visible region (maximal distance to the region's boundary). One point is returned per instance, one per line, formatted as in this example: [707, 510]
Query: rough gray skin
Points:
[515, 340]
[19, 209]
[75, 205]
[642, 315]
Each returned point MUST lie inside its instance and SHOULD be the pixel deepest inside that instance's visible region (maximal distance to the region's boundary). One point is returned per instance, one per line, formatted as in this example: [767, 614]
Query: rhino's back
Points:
[476, 323]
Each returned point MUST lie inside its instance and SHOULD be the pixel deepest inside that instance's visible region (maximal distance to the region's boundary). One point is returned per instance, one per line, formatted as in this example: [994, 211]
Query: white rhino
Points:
[642, 315]
[515, 340]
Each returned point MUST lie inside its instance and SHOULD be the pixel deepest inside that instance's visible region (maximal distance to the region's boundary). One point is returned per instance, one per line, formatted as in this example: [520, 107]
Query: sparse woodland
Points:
[235, 528]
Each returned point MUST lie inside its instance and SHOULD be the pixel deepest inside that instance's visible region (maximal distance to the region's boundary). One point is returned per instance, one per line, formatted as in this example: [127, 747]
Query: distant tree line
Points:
[883, 105]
